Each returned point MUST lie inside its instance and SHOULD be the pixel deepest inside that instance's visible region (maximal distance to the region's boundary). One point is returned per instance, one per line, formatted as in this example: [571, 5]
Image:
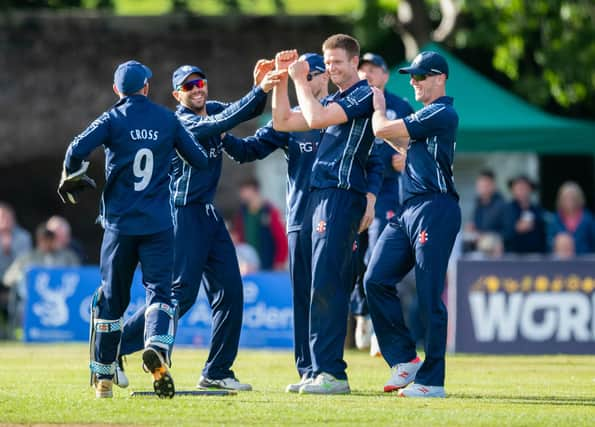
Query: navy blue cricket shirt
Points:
[431, 151]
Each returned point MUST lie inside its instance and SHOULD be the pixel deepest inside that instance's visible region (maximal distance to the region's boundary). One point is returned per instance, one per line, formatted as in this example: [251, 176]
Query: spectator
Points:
[488, 213]
[45, 254]
[489, 246]
[259, 223]
[63, 236]
[524, 224]
[574, 219]
[563, 247]
[248, 259]
[14, 241]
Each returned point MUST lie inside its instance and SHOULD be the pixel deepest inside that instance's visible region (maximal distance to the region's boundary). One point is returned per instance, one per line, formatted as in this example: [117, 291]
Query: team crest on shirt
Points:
[389, 214]
[423, 237]
[391, 114]
[321, 227]
[354, 247]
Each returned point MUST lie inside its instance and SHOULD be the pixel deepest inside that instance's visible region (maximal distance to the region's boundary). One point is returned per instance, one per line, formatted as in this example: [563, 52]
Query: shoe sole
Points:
[324, 392]
[163, 383]
[392, 388]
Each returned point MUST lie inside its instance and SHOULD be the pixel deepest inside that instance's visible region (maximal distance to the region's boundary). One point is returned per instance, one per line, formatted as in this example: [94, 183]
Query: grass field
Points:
[49, 384]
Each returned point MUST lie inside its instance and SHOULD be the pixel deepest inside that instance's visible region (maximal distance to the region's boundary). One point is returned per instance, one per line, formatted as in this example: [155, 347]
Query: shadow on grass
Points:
[529, 400]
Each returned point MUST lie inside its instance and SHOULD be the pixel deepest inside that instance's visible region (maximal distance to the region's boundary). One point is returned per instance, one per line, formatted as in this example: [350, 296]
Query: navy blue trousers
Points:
[335, 216]
[421, 237]
[299, 272]
[120, 256]
[203, 246]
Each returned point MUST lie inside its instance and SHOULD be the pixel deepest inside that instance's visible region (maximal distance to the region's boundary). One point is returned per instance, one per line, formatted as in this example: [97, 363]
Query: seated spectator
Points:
[248, 259]
[259, 223]
[14, 241]
[63, 236]
[45, 254]
[489, 246]
[572, 218]
[488, 213]
[563, 247]
[524, 224]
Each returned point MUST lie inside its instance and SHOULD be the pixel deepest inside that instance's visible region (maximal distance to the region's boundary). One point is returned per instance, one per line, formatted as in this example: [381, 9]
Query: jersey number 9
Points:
[143, 168]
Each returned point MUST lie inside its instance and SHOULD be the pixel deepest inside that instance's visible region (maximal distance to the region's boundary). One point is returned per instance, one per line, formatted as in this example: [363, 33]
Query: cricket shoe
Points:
[419, 390]
[295, 388]
[326, 384]
[120, 378]
[163, 383]
[402, 374]
[229, 383]
[103, 388]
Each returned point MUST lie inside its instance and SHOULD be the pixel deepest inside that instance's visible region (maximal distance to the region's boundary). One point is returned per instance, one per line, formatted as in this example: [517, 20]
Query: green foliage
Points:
[374, 28]
[48, 384]
[545, 46]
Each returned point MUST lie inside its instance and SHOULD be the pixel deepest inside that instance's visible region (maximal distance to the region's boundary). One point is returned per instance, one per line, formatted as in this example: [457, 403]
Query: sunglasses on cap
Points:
[313, 74]
[188, 86]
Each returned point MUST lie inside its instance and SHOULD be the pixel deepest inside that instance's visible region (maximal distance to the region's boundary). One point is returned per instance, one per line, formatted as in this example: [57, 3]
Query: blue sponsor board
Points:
[525, 307]
[58, 301]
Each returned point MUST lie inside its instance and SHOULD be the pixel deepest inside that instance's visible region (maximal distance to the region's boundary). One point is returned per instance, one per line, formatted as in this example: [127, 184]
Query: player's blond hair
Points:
[342, 41]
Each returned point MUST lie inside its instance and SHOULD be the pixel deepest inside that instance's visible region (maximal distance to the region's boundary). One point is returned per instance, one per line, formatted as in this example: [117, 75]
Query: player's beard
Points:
[198, 102]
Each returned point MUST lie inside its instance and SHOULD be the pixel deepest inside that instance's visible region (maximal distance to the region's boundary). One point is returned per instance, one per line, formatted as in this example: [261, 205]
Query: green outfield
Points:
[49, 384]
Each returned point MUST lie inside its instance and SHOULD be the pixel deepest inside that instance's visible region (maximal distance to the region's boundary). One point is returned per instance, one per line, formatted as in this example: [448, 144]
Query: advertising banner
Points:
[525, 307]
[57, 308]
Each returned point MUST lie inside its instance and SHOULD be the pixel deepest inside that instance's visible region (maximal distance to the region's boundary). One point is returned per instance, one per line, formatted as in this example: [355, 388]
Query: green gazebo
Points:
[494, 120]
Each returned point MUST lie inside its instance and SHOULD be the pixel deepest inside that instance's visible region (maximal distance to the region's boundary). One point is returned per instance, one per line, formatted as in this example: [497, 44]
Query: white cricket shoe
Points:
[326, 384]
[419, 390]
[229, 383]
[295, 388]
[120, 378]
[363, 332]
[402, 374]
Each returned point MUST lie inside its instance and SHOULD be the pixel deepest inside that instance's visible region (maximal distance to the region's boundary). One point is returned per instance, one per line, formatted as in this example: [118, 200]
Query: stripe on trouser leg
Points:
[159, 339]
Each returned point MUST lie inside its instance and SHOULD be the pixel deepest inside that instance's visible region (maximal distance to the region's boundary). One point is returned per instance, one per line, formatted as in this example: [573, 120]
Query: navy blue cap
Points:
[427, 62]
[131, 76]
[315, 61]
[184, 71]
[374, 59]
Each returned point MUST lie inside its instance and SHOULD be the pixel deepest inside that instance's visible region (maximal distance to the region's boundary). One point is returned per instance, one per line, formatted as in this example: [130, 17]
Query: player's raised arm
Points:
[394, 132]
[189, 148]
[284, 118]
[256, 147]
[315, 114]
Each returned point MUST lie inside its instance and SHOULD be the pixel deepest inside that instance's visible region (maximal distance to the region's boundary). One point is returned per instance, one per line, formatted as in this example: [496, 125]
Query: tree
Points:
[544, 47]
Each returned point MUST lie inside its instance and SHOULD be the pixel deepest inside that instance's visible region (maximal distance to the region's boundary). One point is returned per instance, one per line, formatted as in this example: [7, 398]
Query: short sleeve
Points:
[358, 103]
[429, 121]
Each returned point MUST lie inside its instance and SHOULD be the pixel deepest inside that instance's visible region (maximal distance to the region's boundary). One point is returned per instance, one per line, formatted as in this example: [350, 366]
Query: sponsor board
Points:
[525, 307]
[58, 302]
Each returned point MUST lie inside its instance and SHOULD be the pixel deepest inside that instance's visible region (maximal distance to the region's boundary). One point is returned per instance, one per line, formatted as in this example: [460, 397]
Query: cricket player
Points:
[373, 68]
[139, 138]
[300, 152]
[422, 235]
[202, 242]
[339, 204]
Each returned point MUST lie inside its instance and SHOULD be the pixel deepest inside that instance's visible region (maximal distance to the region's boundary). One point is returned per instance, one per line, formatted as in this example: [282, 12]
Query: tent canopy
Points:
[492, 119]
